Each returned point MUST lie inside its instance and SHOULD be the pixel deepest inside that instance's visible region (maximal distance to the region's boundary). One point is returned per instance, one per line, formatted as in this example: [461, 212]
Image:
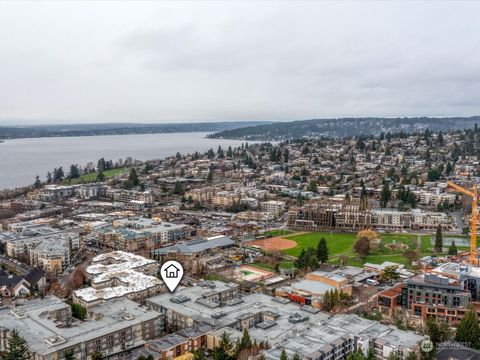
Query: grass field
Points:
[263, 266]
[338, 243]
[341, 244]
[269, 267]
[88, 178]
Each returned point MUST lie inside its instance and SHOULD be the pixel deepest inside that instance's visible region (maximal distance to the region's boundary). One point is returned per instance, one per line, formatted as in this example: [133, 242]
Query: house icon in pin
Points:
[171, 271]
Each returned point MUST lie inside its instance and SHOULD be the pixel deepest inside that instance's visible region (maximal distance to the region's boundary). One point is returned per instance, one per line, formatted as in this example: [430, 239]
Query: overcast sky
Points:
[188, 61]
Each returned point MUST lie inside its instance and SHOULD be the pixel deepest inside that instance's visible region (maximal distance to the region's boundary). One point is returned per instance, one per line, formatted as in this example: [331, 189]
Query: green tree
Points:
[363, 198]
[385, 195]
[468, 330]
[390, 273]
[38, 182]
[296, 357]
[100, 177]
[17, 347]
[245, 341]
[452, 249]
[312, 186]
[438, 331]
[225, 348]
[283, 355]
[322, 251]
[199, 355]
[412, 356]
[98, 355]
[74, 172]
[371, 354]
[78, 311]
[101, 165]
[69, 355]
[178, 188]
[133, 177]
[439, 239]
[210, 176]
[356, 355]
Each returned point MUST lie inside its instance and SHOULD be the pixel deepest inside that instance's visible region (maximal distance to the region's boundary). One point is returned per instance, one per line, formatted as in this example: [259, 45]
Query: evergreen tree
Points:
[356, 355]
[322, 251]
[98, 355]
[225, 348]
[178, 188]
[100, 177]
[412, 356]
[101, 165]
[199, 355]
[69, 355]
[439, 239]
[245, 342]
[74, 171]
[133, 178]
[385, 195]
[438, 331]
[283, 355]
[49, 177]
[38, 182]
[17, 348]
[371, 354]
[452, 249]
[210, 176]
[363, 198]
[296, 357]
[468, 330]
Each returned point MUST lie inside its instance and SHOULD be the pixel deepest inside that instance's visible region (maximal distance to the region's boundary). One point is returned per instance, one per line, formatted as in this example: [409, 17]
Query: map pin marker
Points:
[171, 273]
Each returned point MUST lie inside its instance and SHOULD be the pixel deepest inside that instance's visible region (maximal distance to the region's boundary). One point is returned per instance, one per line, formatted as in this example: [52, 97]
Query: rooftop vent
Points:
[179, 299]
[218, 315]
[128, 317]
[55, 340]
[297, 318]
[19, 314]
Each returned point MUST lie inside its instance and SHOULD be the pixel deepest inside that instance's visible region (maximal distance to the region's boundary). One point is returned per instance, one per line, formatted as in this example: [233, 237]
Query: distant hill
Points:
[31, 131]
[344, 127]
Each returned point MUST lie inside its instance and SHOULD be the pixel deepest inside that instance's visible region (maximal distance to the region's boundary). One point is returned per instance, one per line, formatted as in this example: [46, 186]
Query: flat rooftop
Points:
[33, 322]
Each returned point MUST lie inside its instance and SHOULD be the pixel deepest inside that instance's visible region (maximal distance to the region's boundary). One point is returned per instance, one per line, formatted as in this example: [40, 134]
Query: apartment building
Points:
[280, 322]
[444, 293]
[50, 252]
[119, 274]
[201, 195]
[126, 196]
[114, 328]
[273, 207]
[226, 199]
[141, 239]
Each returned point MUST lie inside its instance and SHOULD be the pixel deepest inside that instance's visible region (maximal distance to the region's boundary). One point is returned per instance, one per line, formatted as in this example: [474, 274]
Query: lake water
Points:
[22, 159]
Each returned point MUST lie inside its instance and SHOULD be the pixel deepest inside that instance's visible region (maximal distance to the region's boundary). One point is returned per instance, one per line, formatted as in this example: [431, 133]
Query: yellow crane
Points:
[473, 193]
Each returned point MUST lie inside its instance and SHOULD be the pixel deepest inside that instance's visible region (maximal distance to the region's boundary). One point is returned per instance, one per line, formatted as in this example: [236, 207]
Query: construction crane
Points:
[473, 193]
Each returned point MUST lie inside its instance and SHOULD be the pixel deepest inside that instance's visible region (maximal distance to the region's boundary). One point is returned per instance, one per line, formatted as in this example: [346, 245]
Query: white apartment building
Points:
[274, 207]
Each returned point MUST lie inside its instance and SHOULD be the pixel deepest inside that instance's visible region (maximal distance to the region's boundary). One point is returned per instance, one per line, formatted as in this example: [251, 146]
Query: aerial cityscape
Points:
[179, 227]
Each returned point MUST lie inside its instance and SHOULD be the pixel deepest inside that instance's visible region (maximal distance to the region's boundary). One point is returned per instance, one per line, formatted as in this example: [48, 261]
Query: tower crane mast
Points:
[473, 193]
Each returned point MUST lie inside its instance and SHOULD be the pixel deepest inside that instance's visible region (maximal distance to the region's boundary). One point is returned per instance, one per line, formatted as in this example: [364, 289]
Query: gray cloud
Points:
[185, 61]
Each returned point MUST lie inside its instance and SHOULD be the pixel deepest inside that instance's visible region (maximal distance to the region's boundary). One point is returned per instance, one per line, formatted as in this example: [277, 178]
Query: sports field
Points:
[391, 247]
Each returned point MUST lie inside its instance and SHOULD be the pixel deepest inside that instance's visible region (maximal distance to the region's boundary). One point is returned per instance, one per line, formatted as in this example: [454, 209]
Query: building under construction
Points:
[330, 214]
